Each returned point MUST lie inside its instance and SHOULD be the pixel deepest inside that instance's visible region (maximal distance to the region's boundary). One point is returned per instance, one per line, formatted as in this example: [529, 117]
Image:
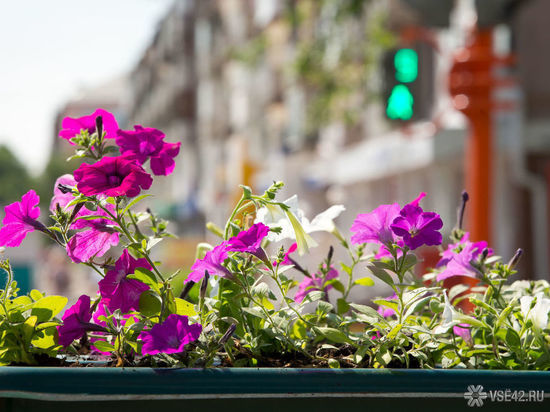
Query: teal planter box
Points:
[261, 390]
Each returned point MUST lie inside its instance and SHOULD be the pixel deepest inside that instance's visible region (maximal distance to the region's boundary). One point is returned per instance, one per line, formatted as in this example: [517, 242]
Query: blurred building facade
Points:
[231, 80]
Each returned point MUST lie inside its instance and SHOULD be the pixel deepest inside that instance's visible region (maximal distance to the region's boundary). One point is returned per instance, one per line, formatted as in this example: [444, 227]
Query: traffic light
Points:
[408, 83]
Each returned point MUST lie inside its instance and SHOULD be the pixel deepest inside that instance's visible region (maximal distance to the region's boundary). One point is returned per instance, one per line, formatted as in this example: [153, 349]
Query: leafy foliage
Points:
[27, 323]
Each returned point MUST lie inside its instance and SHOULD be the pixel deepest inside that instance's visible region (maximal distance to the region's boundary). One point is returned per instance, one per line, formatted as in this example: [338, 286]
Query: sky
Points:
[51, 50]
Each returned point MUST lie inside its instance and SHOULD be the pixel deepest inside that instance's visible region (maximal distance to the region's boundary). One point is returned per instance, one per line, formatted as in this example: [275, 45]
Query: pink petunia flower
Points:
[453, 249]
[461, 264]
[315, 282]
[74, 126]
[463, 330]
[147, 143]
[250, 241]
[97, 238]
[75, 321]
[286, 260]
[212, 262]
[112, 176]
[60, 198]
[374, 227]
[417, 227]
[119, 292]
[20, 219]
[171, 336]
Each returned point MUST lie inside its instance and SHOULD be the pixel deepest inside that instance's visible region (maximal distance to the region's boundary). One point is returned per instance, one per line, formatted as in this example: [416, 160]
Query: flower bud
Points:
[515, 259]
[186, 289]
[64, 188]
[230, 330]
[99, 126]
[465, 197]
[204, 285]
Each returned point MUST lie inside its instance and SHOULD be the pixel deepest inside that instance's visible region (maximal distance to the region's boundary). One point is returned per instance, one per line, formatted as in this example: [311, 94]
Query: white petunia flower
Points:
[294, 225]
[538, 314]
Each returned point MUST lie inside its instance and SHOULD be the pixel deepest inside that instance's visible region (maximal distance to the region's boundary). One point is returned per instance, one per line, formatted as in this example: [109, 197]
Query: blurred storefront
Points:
[269, 90]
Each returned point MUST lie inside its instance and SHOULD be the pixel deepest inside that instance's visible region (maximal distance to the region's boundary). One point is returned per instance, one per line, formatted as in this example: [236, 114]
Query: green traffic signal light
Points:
[400, 103]
[406, 65]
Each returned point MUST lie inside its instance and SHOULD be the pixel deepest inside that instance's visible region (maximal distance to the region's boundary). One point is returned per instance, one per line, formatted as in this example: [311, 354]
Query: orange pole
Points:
[478, 150]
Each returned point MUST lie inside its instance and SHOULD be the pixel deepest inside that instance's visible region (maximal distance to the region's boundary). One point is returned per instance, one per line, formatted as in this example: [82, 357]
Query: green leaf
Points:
[342, 306]
[336, 284]
[45, 339]
[48, 307]
[36, 295]
[436, 306]
[334, 335]
[504, 314]
[28, 329]
[103, 346]
[247, 191]
[482, 304]
[22, 301]
[299, 329]
[152, 242]
[346, 268]
[254, 312]
[366, 310]
[184, 308]
[381, 274]
[512, 339]
[366, 281]
[146, 276]
[45, 325]
[408, 262]
[395, 330]
[149, 303]
[383, 356]
[314, 296]
[133, 202]
[324, 307]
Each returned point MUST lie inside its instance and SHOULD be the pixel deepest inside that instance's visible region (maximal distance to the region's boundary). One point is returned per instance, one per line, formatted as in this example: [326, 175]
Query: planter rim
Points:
[98, 383]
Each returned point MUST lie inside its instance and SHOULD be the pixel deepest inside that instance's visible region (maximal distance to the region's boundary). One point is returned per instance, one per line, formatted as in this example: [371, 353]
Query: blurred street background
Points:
[358, 102]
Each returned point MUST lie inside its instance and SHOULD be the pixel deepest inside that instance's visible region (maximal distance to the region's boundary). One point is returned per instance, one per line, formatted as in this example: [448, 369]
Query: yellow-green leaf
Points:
[184, 308]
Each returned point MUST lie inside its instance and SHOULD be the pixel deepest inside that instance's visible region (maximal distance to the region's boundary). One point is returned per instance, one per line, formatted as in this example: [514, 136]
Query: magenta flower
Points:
[74, 126]
[250, 241]
[112, 176]
[148, 143]
[96, 240]
[119, 292]
[75, 321]
[171, 336]
[286, 260]
[374, 227]
[384, 310]
[212, 262]
[20, 219]
[463, 330]
[315, 282]
[461, 263]
[60, 198]
[453, 249]
[417, 227]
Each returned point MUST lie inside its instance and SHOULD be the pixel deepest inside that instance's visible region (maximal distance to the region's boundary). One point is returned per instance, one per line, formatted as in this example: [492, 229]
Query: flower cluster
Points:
[391, 225]
[250, 296]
